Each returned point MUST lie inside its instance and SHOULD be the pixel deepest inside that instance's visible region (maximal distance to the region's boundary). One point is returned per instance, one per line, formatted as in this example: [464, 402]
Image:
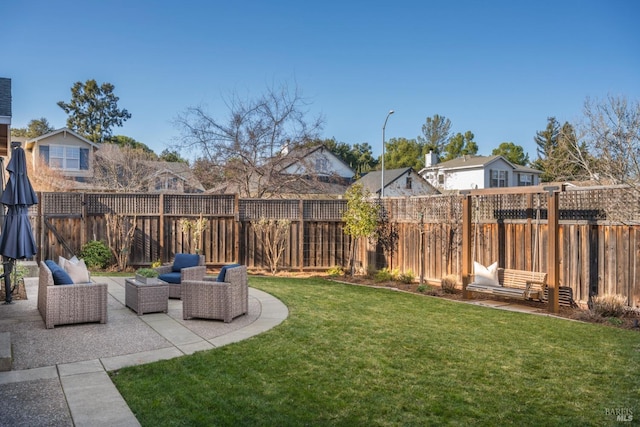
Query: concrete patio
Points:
[59, 377]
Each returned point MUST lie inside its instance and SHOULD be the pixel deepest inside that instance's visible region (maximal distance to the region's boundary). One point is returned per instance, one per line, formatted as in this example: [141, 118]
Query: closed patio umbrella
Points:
[16, 240]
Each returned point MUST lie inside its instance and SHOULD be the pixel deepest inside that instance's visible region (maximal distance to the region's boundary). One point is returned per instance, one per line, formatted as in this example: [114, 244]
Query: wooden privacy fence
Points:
[597, 255]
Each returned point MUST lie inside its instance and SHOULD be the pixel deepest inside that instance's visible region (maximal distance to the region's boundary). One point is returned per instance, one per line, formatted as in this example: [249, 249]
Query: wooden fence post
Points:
[300, 256]
[161, 249]
[553, 260]
[466, 245]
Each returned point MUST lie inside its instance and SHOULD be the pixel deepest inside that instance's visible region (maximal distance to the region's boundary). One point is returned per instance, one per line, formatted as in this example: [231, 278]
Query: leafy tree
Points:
[460, 145]
[171, 156]
[512, 152]
[93, 110]
[435, 135]
[402, 152]
[360, 218]
[127, 141]
[246, 146]
[364, 158]
[34, 129]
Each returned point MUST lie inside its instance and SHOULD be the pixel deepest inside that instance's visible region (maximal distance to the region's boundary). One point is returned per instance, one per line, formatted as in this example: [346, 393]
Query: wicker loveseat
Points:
[212, 299]
[174, 274]
[67, 304]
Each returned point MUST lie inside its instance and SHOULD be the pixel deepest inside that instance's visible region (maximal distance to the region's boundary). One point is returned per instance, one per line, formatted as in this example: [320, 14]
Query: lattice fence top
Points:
[254, 209]
[614, 204]
[124, 203]
[61, 203]
[427, 208]
[324, 210]
[196, 204]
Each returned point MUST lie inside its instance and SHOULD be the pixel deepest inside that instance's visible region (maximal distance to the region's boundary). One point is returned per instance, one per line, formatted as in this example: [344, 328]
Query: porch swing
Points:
[510, 283]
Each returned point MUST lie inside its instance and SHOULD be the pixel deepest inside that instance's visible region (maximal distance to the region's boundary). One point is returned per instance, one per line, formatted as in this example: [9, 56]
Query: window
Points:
[166, 183]
[64, 157]
[408, 183]
[499, 178]
[441, 179]
[322, 165]
[525, 179]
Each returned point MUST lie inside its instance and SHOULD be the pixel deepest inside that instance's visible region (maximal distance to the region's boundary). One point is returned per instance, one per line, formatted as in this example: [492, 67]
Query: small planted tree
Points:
[196, 228]
[273, 235]
[360, 218]
[120, 232]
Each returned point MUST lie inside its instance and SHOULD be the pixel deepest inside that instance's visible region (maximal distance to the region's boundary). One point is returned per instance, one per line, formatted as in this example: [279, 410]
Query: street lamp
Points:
[382, 179]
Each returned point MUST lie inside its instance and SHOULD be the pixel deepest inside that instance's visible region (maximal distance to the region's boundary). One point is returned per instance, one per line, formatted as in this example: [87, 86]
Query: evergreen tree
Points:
[512, 152]
[93, 110]
[435, 135]
[460, 145]
[557, 152]
[35, 128]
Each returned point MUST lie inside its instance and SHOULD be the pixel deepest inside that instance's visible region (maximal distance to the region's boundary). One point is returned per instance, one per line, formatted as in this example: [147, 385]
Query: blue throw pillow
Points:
[174, 277]
[185, 261]
[60, 277]
[223, 271]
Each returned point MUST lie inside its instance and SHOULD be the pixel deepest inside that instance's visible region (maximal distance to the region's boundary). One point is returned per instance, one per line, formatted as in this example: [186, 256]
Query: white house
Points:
[403, 182]
[319, 162]
[471, 172]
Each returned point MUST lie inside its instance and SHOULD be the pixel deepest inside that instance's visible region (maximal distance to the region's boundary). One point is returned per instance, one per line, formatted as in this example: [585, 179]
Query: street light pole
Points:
[382, 175]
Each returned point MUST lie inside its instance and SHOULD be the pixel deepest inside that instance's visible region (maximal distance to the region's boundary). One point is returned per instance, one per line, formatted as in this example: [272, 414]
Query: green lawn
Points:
[359, 356]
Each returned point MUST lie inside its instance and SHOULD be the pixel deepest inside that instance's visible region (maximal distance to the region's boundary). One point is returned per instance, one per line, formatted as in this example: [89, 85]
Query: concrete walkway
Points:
[59, 376]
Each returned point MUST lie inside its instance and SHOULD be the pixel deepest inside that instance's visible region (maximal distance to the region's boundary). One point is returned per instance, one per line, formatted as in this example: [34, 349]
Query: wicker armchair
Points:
[210, 299]
[189, 273]
[67, 304]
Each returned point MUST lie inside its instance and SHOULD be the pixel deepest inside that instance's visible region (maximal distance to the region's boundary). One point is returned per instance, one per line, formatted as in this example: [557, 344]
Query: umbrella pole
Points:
[8, 266]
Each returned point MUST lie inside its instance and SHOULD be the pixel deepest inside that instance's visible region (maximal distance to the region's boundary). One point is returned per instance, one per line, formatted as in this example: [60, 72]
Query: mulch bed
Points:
[19, 292]
[630, 320]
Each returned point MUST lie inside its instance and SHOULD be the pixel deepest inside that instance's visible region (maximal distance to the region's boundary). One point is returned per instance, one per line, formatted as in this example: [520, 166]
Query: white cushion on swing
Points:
[486, 275]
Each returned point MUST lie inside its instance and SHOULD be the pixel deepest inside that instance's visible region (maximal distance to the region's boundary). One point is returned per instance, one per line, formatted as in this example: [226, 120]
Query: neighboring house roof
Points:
[471, 162]
[180, 170]
[32, 141]
[300, 153]
[372, 181]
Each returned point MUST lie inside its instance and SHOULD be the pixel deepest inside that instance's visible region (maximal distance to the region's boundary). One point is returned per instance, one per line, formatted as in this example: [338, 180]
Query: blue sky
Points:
[496, 68]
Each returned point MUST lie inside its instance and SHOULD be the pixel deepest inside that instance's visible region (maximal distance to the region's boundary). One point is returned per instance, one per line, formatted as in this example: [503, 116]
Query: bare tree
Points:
[273, 235]
[611, 132]
[120, 232]
[45, 178]
[247, 145]
[122, 169]
[610, 147]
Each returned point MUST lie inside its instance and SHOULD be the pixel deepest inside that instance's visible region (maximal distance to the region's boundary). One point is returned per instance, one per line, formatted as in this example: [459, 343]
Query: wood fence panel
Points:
[598, 256]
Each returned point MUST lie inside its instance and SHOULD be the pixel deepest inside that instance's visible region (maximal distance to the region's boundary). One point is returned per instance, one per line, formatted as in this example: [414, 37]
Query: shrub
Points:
[422, 288]
[96, 254]
[147, 272]
[608, 305]
[406, 277]
[448, 284]
[385, 275]
[157, 263]
[336, 271]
